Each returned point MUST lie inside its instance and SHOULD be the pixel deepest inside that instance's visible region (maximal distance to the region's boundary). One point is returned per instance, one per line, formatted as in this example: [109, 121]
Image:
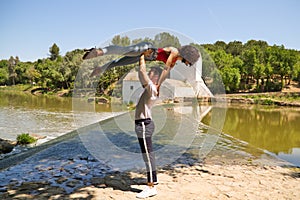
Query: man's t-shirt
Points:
[146, 102]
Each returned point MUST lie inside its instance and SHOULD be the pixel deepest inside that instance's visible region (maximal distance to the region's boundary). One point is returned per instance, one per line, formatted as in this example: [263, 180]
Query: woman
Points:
[169, 55]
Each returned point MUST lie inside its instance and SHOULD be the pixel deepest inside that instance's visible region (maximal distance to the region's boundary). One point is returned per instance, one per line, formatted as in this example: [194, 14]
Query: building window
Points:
[131, 87]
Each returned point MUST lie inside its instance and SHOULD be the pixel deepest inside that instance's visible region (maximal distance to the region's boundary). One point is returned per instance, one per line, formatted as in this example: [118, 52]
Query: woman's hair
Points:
[189, 53]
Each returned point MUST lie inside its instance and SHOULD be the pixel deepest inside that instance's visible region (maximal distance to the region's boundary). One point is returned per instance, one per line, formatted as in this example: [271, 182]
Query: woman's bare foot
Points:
[92, 53]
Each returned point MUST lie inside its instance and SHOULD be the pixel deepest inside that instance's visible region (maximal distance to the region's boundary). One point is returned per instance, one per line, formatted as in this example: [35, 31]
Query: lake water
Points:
[48, 116]
[274, 130]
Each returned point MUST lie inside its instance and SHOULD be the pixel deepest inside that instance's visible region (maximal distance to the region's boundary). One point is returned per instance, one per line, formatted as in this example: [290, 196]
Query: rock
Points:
[37, 137]
[102, 100]
[116, 182]
[98, 100]
[6, 146]
[73, 183]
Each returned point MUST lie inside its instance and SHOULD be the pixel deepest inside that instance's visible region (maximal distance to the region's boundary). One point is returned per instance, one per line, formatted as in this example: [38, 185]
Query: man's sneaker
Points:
[92, 53]
[147, 192]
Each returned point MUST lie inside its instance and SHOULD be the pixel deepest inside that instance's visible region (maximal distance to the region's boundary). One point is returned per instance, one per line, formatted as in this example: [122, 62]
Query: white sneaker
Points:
[147, 192]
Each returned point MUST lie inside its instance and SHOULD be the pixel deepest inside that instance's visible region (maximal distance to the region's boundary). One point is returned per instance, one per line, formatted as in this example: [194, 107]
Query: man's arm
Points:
[143, 76]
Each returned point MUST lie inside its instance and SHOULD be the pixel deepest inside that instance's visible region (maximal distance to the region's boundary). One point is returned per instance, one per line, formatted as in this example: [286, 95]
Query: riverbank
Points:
[65, 169]
[201, 181]
[289, 96]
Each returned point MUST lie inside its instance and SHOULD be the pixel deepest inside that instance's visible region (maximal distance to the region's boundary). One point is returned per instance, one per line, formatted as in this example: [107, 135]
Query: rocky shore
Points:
[81, 179]
[66, 170]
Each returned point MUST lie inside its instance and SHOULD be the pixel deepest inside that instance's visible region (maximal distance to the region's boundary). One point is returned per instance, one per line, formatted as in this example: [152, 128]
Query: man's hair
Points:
[189, 53]
[155, 70]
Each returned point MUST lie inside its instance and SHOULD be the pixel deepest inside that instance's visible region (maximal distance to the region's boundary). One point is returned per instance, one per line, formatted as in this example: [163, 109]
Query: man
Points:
[144, 125]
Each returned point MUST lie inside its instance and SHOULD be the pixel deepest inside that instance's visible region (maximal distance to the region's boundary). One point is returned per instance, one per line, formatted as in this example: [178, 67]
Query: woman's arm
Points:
[169, 64]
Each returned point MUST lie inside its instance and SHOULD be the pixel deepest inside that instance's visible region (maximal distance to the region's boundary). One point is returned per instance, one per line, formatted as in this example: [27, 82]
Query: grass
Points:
[268, 98]
[25, 138]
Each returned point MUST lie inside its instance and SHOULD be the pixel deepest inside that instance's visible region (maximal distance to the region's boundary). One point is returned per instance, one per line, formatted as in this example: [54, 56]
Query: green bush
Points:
[25, 138]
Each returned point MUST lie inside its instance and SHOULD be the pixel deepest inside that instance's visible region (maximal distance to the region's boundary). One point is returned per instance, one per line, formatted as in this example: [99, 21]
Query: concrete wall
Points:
[131, 91]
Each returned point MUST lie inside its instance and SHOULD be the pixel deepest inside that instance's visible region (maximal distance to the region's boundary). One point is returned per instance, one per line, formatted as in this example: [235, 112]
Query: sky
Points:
[28, 28]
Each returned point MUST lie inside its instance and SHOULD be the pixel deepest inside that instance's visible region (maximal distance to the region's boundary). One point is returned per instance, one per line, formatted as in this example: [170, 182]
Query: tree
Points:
[250, 60]
[166, 39]
[235, 48]
[32, 74]
[231, 78]
[258, 73]
[269, 74]
[4, 75]
[260, 44]
[222, 59]
[11, 70]
[296, 72]
[54, 52]
[121, 41]
[220, 45]
[146, 39]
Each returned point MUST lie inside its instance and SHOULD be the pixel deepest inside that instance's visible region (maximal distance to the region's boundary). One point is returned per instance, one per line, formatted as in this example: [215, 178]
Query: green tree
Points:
[166, 39]
[296, 72]
[121, 41]
[222, 59]
[260, 44]
[269, 74]
[146, 39]
[259, 73]
[54, 52]
[250, 60]
[234, 48]
[282, 61]
[12, 62]
[231, 78]
[32, 75]
[4, 75]
[72, 62]
[220, 45]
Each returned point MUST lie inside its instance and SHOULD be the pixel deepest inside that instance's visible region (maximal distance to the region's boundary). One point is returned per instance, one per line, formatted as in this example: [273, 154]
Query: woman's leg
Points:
[126, 60]
[131, 51]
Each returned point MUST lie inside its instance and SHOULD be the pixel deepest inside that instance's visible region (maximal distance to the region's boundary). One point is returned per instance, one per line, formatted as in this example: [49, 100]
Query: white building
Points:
[184, 82]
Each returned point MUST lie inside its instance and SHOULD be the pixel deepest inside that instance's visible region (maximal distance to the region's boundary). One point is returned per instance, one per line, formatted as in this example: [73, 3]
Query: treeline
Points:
[54, 72]
[253, 66]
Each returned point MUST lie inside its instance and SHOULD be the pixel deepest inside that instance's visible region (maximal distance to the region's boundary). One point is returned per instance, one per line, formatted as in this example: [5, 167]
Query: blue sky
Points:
[30, 27]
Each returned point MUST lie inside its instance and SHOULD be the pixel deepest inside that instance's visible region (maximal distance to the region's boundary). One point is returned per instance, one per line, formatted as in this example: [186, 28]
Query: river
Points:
[45, 116]
[274, 130]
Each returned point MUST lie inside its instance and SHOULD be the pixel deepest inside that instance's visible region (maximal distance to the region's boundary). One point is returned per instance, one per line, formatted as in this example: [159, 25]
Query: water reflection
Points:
[275, 129]
[49, 116]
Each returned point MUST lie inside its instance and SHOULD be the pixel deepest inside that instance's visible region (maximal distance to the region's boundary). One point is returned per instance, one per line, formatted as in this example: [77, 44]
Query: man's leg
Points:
[144, 132]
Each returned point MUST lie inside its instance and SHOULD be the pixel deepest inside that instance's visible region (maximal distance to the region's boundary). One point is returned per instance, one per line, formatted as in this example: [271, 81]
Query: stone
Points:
[116, 182]
[3, 189]
[6, 146]
[73, 183]
[61, 180]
